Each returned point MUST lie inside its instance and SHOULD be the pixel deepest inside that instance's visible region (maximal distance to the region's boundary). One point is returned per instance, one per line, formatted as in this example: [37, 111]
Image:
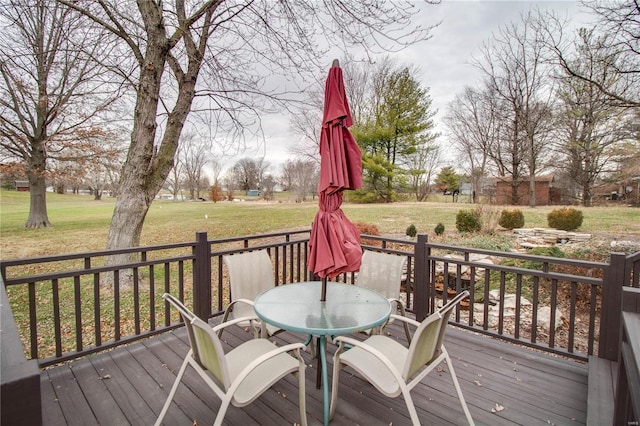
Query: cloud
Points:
[444, 60]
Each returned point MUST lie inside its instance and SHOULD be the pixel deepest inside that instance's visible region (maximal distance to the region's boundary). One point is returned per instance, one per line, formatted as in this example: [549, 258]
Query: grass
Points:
[81, 223]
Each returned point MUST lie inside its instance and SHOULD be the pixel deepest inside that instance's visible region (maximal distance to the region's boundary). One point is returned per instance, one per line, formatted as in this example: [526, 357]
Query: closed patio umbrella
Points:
[335, 241]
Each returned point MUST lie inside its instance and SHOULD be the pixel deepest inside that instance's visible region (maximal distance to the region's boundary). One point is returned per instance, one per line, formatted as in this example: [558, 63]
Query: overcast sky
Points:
[444, 60]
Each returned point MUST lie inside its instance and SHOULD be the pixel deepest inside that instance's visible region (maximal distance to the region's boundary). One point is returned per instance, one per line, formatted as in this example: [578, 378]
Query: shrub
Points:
[488, 216]
[367, 228]
[439, 230]
[566, 219]
[412, 231]
[468, 221]
[510, 219]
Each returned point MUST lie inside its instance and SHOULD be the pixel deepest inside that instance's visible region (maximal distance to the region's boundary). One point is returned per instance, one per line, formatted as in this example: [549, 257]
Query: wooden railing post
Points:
[202, 277]
[421, 279]
[613, 281]
[21, 403]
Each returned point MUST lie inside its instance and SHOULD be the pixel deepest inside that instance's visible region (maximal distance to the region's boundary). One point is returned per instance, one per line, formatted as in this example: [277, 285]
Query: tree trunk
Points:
[147, 167]
[515, 196]
[586, 195]
[532, 190]
[38, 217]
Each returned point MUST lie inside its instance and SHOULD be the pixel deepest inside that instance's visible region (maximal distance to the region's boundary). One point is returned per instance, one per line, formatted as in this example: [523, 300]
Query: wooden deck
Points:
[504, 384]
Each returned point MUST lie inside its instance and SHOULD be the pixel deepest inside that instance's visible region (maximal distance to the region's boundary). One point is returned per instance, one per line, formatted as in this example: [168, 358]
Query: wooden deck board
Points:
[533, 387]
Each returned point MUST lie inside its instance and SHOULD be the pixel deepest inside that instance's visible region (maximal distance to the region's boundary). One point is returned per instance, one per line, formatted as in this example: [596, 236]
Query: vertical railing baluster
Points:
[593, 306]
[487, 285]
[136, 302]
[534, 312]
[152, 301]
[220, 275]
[97, 306]
[572, 316]
[472, 295]
[552, 313]
[56, 316]
[516, 332]
[501, 292]
[181, 280]
[33, 320]
[78, 311]
[167, 289]
[116, 304]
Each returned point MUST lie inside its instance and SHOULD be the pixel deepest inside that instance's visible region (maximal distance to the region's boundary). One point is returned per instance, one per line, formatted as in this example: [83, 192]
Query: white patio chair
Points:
[250, 274]
[394, 369]
[240, 376]
[382, 272]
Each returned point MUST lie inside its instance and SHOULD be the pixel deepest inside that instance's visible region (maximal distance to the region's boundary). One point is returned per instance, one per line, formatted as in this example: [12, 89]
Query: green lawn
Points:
[81, 223]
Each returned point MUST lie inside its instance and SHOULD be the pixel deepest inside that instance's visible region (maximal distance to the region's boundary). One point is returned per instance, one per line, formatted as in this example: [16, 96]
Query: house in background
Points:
[546, 194]
[22, 185]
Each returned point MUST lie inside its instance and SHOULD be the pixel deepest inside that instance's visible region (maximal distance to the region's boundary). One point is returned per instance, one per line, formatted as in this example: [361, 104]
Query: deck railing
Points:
[627, 398]
[72, 305]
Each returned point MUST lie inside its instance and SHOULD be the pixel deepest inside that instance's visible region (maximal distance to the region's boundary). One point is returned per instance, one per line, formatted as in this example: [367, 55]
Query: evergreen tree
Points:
[399, 124]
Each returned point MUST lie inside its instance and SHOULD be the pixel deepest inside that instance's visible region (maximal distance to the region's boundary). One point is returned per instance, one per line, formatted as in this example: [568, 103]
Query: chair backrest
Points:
[426, 344]
[250, 273]
[381, 272]
[205, 345]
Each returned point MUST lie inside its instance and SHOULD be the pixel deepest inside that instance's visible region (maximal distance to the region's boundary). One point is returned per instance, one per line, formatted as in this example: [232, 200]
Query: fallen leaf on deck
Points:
[497, 408]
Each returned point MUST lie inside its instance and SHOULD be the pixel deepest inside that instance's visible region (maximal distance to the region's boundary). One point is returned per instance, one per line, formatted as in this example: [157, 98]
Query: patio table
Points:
[297, 307]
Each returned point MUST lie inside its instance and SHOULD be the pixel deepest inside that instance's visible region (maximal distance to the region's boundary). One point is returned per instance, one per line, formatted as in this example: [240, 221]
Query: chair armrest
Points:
[405, 319]
[395, 300]
[226, 324]
[245, 301]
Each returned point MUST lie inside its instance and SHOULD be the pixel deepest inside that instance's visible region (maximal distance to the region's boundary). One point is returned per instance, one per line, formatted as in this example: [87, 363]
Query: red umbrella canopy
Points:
[334, 245]
[340, 156]
[335, 241]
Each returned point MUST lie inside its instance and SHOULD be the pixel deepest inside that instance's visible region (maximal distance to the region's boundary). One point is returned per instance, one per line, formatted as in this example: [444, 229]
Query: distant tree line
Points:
[554, 103]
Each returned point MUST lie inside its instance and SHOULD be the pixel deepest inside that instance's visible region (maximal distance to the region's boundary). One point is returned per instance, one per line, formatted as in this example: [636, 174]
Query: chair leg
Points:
[457, 386]
[302, 391]
[406, 393]
[224, 319]
[334, 380]
[406, 326]
[224, 406]
[174, 388]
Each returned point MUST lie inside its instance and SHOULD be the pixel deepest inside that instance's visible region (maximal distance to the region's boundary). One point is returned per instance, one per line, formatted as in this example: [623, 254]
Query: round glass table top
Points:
[297, 307]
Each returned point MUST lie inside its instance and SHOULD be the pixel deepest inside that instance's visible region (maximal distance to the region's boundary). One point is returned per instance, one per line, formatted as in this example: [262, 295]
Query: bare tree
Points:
[474, 130]
[301, 177]
[193, 156]
[229, 181]
[217, 170]
[589, 124]
[617, 48]
[513, 64]
[52, 92]
[247, 174]
[421, 167]
[236, 44]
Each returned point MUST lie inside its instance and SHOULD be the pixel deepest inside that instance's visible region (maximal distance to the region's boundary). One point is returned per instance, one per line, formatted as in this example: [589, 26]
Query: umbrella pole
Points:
[323, 296]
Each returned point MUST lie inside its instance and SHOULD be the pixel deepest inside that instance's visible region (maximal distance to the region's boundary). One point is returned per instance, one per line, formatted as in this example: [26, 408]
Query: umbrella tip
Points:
[335, 63]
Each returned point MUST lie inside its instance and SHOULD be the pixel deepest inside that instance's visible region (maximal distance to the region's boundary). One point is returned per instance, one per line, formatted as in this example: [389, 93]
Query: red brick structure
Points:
[545, 193]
